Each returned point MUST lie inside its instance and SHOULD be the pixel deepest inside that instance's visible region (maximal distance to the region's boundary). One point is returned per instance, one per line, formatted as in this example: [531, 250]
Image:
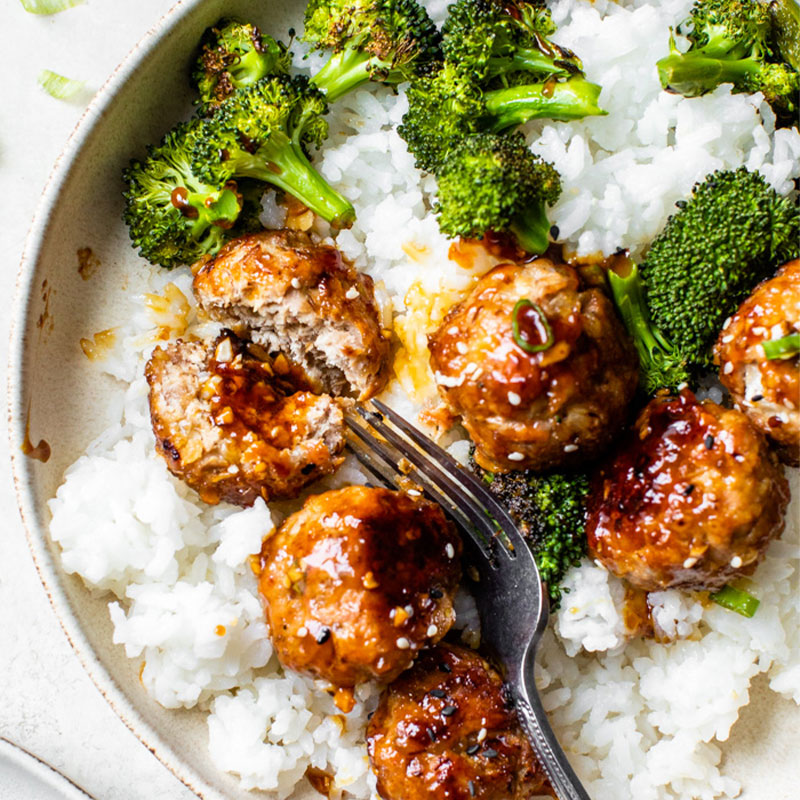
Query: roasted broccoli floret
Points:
[175, 216]
[732, 233]
[261, 132]
[551, 513]
[731, 41]
[388, 41]
[235, 54]
[491, 182]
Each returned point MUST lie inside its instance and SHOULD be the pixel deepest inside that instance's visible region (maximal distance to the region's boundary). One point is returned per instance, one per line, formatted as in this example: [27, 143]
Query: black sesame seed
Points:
[323, 635]
[438, 693]
[756, 398]
[472, 749]
[431, 734]
[448, 711]
[681, 204]
[308, 468]
[490, 753]
[709, 442]
[554, 231]
[688, 490]
[444, 667]
[436, 593]
[370, 715]
[471, 787]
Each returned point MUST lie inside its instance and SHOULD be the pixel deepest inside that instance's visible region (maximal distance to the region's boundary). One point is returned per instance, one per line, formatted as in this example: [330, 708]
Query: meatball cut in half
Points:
[690, 502]
[357, 581]
[290, 295]
[446, 729]
[758, 353]
[540, 370]
[232, 429]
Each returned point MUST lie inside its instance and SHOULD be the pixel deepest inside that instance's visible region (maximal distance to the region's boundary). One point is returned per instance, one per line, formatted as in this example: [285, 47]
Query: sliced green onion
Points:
[58, 86]
[736, 600]
[48, 6]
[785, 347]
[527, 346]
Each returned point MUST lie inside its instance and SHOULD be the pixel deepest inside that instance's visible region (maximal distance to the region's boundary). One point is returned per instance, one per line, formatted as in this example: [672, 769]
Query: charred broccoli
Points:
[261, 132]
[731, 41]
[551, 512]
[235, 54]
[388, 41]
[732, 233]
[491, 182]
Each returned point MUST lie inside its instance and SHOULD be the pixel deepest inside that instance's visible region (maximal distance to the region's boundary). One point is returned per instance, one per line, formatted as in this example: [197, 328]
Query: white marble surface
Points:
[47, 703]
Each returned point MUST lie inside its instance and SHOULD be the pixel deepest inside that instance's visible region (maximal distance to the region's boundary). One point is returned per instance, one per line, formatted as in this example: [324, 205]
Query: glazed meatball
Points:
[290, 295]
[233, 429]
[446, 729]
[690, 502]
[768, 391]
[540, 370]
[357, 581]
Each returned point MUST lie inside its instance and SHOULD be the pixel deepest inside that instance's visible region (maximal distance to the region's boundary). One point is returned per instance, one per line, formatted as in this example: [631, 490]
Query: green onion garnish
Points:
[58, 86]
[736, 600]
[48, 6]
[785, 347]
[546, 332]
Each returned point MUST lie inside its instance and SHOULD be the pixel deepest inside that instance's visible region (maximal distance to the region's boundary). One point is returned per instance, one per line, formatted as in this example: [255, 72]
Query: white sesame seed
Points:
[453, 331]
[471, 367]
[570, 448]
[514, 398]
[759, 331]
[351, 293]
[788, 403]
[403, 643]
[462, 348]
[682, 386]
[515, 456]
[233, 469]
[413, 493]
[689, 563]
[303, 631]
[727, 339]
[409, 610]
[295, 283]
[728, 368]
[432, 631]
[450, 551]
[736, 562]
[482, 734]
[726, 323]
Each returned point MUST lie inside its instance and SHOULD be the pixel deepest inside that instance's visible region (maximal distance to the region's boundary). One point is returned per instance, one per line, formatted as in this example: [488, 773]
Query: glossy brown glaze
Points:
[291, 295]
[357, 582]
[233, 429]
[691, 501]
[768, 391]
[542, 410]
[445, 730]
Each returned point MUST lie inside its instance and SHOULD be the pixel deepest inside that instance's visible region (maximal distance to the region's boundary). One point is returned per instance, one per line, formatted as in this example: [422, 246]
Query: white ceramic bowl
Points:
[57, 396]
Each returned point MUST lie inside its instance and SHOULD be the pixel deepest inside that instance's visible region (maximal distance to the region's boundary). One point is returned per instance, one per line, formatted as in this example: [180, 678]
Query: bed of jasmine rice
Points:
[639, 719]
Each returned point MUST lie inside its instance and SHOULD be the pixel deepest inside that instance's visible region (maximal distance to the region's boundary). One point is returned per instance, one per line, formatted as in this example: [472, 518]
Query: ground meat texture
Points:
[357, 582]
[233, 429]
[446, 730]
[554, 408]
[768, 391]
[290, 295]
[691, 501]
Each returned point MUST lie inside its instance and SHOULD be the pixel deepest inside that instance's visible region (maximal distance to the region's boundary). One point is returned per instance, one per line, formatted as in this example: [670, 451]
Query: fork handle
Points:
[536, 725]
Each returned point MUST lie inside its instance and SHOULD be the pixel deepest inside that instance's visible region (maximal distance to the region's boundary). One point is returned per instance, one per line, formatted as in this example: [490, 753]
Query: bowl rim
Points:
[17, 412]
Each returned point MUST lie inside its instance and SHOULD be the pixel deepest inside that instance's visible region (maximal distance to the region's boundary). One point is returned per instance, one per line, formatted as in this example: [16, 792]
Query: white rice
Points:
[638, 718]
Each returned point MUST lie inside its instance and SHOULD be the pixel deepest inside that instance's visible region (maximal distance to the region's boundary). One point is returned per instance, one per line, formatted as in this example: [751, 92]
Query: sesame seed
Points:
[351, 293]
[482, 734]
[788, 403]
[708, 442]
[515, 456]
[295, 283]
[432, 631]
[472, 749]
[449, 550]
[470, 368]
[490, 753]
[471, 787]
[435, 594]
[403, 643]
[514, 398]
[323, 635]
[448, 711]
[445, 667]
[439, 694]
[726, 323]
[233, 469]
[688, 490]
[413, 493]
[431, 734]
[728, 368]
[409, 610]
[462, 348]
[736, 562]
[756, 398]
[570, 448]
[689, 563]
[727, 339]
[454, 331]
[302, 631]
[759, 331]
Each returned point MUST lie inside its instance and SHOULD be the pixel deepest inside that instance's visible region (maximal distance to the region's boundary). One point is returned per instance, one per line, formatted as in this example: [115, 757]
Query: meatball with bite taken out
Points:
[291, 295]
[539, 369]
[446, 729]
[357, 582]
[758, 353]
[233, 429]
[691, 501]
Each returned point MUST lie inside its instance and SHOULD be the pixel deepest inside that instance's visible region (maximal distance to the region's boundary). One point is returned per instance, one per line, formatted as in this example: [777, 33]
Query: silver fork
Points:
[512, 601]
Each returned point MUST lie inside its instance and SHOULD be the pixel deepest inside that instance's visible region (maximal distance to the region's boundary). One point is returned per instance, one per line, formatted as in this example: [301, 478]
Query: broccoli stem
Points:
[572, 99]
[532, 228]
[527, 59]
[207, 209]
[281, 162]
[696, 73]
[343, 72]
